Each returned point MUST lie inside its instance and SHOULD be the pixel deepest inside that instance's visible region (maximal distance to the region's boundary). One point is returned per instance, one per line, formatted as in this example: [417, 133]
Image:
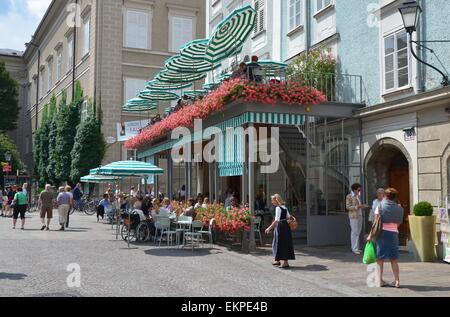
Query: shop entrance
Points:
[388, 166]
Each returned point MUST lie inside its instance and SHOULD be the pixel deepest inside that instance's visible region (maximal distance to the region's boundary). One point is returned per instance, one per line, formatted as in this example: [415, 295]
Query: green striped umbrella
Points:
[195, 93]
[96, 179]
[224, 76]
[140, 102]
[230, 34]
[210, 86]
[170, 76]
[182, 64]
[138, 108]
[271, 67]
[159, 85]
[194, 49]
[158, 95]
[128, 169]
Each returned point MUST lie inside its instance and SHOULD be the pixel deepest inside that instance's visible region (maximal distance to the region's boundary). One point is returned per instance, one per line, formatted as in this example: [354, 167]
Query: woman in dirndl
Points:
[282, 245]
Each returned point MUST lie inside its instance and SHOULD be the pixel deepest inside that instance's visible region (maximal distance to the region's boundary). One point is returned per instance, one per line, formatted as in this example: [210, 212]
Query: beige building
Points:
[112, 47]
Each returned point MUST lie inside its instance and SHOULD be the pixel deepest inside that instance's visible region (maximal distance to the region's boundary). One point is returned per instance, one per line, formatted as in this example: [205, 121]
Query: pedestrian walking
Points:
[45, 205]
[77, 195]
[64, 202]
[10, 198]
[391, 214]
[282, 245]
[68, 190]
[2, 202]
[354, 208]
[20, 207]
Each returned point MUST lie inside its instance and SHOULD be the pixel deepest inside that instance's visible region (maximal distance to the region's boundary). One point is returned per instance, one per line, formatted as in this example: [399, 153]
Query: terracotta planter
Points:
[423, 234]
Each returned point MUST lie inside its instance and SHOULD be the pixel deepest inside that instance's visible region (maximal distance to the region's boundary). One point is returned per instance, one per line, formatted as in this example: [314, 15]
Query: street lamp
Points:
[8, 156]
[410, 12]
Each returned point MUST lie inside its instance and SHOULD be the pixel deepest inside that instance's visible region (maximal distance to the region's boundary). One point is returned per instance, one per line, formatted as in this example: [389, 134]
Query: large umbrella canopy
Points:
[158, 95]
[140, 102]
[272, 67]
[170, 76]
[225, 76]
[128, 168]
[194, 49]
[230, 34]
[210, 86]
[96, 179]
[159, 85]
[182, 64]
[195, 93]
[138, 108]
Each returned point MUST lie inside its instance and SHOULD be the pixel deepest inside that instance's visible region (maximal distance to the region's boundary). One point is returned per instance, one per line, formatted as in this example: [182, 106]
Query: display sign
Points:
[445, 230]
[7, 168]
[127, 130]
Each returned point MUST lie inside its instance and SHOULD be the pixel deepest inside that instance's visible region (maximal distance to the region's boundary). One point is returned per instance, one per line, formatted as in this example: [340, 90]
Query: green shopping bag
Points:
[369, 253]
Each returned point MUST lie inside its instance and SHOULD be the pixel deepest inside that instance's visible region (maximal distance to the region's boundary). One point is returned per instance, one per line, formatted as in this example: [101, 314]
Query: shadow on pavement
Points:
[12, 276]
[181, 252]
[311, 268]
[423, 288]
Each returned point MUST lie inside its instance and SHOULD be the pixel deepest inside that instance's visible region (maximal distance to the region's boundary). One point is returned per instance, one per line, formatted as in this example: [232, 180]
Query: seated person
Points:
[190, 210]
[251, 69]
[241, 72]
[107, 207]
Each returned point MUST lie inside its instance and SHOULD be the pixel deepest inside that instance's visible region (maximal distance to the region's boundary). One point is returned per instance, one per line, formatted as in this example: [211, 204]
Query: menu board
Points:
[445, 230]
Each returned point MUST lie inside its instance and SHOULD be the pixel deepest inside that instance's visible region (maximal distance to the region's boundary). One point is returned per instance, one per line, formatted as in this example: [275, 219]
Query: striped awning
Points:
[96, 179]
[194, 49]
[158, 85]
[275, 118]
[230, 34]
[182, 64]
[138, 108]
[128, 168]
[158, 95]
[170, 76]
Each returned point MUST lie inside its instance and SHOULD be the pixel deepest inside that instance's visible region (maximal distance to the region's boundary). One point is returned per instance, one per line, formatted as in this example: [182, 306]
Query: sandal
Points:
[383, 284]
[394, 285]
[276, 263]
[284, 266]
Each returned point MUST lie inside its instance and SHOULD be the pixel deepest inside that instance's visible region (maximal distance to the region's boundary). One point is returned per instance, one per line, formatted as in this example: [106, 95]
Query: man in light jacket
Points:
[354, 208]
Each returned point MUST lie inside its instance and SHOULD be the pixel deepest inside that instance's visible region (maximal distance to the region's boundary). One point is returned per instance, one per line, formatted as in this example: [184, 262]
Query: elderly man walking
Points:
[64, 201]
[46, 206]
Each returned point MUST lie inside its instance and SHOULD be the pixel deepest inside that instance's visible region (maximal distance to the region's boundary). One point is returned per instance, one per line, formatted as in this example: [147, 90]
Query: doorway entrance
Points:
[388, 166]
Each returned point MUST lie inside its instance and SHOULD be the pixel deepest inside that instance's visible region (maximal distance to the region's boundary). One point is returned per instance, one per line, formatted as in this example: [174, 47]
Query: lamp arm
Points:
[445, 81]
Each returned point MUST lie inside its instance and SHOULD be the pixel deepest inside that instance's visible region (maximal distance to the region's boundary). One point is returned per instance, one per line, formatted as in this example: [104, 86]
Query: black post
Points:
[74, 50]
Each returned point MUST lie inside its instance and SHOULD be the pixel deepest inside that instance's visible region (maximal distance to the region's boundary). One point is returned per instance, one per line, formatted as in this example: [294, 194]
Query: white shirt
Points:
[278, 213]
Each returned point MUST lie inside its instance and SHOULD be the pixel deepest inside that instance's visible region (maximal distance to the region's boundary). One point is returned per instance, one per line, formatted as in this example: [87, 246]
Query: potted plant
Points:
[423, 231]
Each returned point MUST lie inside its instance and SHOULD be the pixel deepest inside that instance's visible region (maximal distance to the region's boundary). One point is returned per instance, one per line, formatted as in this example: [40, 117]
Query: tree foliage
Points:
[9, 107]
[89, 148]
[69, 119]
[52, 155]
[7, 145]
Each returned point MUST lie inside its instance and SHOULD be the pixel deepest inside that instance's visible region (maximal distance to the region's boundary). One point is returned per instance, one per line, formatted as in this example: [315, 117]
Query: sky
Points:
[19, 20]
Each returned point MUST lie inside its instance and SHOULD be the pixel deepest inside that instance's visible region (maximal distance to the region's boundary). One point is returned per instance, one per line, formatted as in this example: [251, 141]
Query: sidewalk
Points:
[339, 265]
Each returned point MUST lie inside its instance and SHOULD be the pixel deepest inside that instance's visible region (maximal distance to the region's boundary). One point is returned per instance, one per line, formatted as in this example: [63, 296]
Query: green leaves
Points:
[9, 107]
[7, 145]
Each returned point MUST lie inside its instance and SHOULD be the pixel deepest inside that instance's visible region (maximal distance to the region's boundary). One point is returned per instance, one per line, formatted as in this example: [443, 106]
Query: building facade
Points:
[111, 47]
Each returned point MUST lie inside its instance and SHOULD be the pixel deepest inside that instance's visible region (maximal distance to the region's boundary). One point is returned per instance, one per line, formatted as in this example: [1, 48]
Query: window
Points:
[84, 110]
[86, 38]
[259, 7]
[132, 87]
[42, 84]
[396, 62]
[182, 32]
[50, 75]
[69, 53]
[59, 64]
[295, 14]
[137, 29]
[322, 4]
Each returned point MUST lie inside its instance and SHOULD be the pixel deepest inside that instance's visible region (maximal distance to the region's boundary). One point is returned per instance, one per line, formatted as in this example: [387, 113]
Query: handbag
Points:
[375, 231]
[293, 224]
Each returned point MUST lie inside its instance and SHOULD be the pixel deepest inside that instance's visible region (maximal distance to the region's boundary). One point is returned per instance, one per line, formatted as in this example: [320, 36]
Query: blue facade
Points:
[359, 37]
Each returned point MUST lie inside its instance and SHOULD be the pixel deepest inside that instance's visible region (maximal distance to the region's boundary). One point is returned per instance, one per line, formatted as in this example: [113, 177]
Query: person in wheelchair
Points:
[105, 206]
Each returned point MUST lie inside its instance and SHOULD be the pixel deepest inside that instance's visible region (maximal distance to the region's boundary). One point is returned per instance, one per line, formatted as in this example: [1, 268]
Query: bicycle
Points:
[34, 205]
[86, 205]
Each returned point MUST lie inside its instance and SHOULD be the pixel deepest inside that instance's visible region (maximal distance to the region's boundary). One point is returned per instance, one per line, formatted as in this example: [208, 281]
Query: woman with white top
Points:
[282, 246]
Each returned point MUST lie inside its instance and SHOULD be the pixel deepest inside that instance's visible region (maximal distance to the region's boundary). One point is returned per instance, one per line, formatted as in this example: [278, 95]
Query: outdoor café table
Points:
[182, 225]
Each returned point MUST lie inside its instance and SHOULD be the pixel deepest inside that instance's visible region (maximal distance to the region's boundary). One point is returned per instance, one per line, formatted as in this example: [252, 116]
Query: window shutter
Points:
[259, 23]
[182, 32]
[137, 29]
[257, 16]
[261, 19]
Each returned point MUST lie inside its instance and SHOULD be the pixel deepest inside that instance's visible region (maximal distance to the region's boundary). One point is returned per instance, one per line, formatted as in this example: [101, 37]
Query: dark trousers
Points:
[68, 216]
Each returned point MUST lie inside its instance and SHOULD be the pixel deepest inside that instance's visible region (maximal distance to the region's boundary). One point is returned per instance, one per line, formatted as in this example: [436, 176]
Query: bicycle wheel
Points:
[125, 235]
[90, 208]
[72, 210]
[143, 232]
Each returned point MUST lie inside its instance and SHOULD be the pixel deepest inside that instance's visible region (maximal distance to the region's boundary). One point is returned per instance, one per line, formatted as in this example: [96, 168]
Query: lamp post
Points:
[8, 158]
[410, 12]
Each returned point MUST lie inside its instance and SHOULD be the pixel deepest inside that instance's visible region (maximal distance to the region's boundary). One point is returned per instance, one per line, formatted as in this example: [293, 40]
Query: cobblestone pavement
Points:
[34, 263]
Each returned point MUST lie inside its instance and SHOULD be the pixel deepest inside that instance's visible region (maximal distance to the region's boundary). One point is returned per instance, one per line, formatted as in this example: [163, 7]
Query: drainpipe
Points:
[308, 25]
[37, 87]
[74, 50]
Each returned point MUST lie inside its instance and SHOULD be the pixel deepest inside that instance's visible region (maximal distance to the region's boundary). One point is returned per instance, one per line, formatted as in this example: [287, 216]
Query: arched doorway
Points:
[388, 165]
